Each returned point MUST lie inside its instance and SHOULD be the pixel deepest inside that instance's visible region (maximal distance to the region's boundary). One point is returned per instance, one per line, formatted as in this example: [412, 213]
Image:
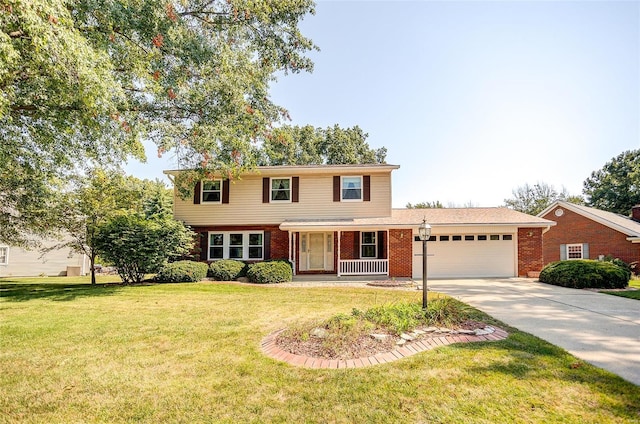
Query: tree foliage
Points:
[294, 145]
[84, 81]
[98, 196]
[138, 245]
[534, 199]
[615, 187]
[425, 205]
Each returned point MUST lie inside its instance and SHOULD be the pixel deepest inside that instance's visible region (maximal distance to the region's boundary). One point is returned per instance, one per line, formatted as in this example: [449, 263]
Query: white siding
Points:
[315, 202]
[28, 263]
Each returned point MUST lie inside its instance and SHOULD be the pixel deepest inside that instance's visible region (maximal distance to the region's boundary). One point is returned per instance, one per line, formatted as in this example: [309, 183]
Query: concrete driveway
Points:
[601, 329]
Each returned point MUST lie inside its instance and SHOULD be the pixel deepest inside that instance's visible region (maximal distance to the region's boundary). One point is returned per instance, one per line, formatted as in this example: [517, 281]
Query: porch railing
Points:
[363, 267]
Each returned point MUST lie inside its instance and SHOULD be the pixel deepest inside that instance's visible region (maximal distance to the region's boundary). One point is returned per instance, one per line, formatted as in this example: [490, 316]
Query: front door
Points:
[316, 251]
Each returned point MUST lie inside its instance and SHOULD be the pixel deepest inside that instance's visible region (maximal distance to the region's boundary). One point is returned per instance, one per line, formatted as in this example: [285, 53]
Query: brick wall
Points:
[400, 253]
[348, 245]
[530, 258]
[279, 244]
[574, 228]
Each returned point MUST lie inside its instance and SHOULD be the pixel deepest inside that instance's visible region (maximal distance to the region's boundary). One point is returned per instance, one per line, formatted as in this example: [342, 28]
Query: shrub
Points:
[270, 272]
[582, 274]
[182, 272]
[227, 269]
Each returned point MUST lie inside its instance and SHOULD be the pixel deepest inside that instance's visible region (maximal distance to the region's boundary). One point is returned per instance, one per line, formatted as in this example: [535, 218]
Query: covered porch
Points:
[349, 247]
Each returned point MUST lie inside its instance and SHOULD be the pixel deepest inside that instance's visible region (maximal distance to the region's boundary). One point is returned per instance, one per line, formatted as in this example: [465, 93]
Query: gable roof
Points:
[617, 222]
[436, 217]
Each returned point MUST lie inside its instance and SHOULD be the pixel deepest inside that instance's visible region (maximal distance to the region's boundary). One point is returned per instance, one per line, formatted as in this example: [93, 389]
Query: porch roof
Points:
[412, 218]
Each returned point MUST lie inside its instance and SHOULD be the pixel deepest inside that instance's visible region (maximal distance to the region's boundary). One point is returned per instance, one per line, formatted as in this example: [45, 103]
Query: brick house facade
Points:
[589, 233]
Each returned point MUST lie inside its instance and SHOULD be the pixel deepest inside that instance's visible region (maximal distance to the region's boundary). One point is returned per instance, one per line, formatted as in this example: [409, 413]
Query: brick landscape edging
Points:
[271, 349]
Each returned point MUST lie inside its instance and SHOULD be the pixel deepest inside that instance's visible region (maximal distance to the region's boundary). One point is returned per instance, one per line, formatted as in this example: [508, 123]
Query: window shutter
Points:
[356, 244]
[585, 250]
[295, 189]
[563, 252]
[265, 190]
[382, 245]
[225, 191]
[366, 188]
[336, 188]
[266, 249]
[204, 246]
[196, 194]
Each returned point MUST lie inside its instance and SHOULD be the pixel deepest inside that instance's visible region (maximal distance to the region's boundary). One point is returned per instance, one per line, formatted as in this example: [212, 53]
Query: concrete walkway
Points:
[601, 329]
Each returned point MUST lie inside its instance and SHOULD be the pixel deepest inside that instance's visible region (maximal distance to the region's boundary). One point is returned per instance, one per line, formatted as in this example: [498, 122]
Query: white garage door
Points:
[467, 255]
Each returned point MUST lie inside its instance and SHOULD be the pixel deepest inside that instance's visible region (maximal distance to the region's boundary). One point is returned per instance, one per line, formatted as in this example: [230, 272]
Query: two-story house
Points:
[338, 219]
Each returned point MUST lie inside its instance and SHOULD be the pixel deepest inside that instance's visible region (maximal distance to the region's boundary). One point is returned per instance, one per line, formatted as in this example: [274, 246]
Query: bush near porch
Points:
[583, 274]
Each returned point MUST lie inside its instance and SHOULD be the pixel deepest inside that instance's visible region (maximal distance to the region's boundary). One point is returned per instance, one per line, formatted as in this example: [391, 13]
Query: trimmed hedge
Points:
[270, 272]
[227, 269]
[182, 272]
[581, 274]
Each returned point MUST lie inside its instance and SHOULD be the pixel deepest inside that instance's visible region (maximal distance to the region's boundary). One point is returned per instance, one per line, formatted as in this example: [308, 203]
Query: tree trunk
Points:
[92, 259]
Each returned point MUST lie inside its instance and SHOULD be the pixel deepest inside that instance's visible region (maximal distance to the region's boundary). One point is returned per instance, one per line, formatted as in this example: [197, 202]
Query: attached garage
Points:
[468, 254]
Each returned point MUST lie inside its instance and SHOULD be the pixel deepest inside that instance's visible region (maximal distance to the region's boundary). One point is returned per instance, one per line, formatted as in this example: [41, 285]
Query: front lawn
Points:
[191, 353]
[631, 294]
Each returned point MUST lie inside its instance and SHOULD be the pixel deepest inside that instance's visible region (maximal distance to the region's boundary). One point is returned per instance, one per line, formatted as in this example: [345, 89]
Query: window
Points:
[456, 238]
[4, 255]
[352, 188]
[212, 191]
[255, 246]
[444, 238]
[241, 245]
[494, 237]
[368, 245]
[574, 251]
[216, 243]
[469, 238]
[507, 237]
[280, 189]
[482, 237]
[432, 238]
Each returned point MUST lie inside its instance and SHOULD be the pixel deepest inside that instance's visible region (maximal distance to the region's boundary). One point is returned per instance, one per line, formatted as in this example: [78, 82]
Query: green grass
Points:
[635, 294]
[191, 353]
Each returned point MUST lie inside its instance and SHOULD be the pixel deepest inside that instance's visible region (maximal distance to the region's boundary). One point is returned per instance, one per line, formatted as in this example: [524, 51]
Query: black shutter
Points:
[295, 189]
[382, 245]
[204, 246]
[225, 191]
[366, 188]
[196, 194]
[356, 244]
[336, 188]
[267, 245]
[265, 190]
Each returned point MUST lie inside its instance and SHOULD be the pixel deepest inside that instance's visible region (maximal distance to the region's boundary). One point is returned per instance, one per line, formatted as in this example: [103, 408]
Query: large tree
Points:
[534, 199]
[84, 81]
[615, 187]
[294, 145]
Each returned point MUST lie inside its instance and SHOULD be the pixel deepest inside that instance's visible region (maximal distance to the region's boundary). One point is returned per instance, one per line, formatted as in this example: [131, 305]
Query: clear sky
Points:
[472, 98]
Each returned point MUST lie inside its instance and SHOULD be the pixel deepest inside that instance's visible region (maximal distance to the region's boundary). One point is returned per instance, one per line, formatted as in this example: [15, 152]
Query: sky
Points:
[472, 99]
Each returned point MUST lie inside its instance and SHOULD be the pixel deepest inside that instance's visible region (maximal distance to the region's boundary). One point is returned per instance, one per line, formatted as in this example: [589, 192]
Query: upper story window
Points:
[280, 189]
[351, 188]
[4, 255]
[212, 191]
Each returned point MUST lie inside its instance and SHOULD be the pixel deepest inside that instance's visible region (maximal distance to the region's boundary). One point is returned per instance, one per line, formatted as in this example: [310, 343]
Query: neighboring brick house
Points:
[338, 219]
[588, 233]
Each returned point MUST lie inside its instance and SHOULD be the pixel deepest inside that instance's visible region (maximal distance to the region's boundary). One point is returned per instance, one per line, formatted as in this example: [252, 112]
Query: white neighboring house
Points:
[19, 262]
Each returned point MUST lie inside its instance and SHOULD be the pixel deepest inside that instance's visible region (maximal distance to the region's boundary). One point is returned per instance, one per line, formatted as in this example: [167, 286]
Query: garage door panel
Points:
[451, 259]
